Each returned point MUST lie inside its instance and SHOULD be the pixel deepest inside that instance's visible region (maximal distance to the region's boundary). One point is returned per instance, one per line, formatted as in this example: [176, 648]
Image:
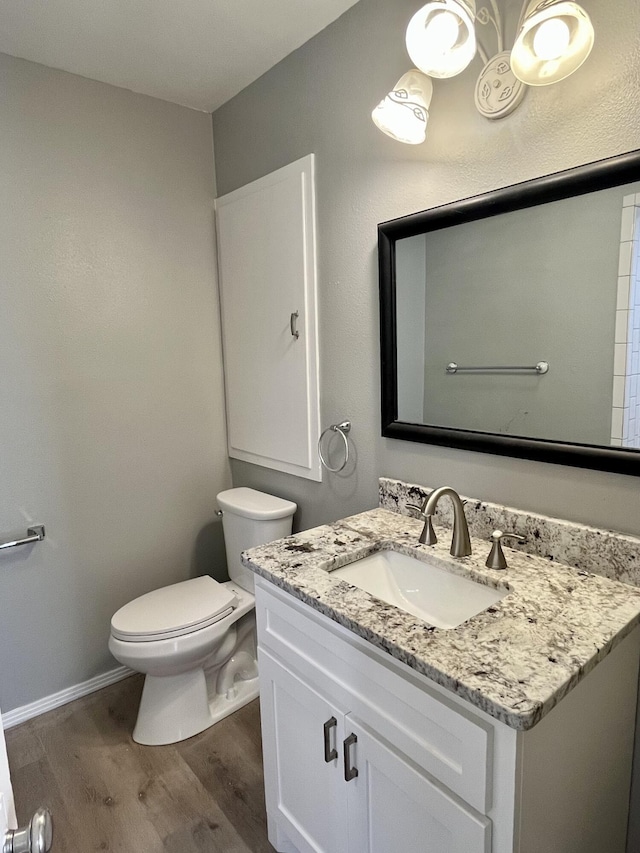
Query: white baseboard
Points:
[48, 703]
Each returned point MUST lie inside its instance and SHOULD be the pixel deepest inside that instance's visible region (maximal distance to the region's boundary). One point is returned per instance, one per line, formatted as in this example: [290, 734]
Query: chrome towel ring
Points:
[343, 429]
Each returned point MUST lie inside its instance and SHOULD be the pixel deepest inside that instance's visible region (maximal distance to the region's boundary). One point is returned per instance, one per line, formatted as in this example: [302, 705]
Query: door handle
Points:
[349, 771]
[293, 323]
[35, 838]
[329, 753]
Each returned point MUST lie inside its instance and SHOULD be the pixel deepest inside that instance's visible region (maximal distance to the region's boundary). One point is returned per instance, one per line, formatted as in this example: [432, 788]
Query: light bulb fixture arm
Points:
[485, 17]
[484, 56]
[497, 22]
[523, 14]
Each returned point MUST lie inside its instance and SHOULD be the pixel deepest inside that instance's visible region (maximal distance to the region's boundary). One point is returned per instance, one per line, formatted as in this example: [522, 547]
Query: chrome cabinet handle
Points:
[293, 321]
[329, 753]
[35, 838]
[34, 534]
[349, 771]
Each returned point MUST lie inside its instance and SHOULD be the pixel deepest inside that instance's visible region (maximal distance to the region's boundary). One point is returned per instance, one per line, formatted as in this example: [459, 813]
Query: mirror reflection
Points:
[553, 283]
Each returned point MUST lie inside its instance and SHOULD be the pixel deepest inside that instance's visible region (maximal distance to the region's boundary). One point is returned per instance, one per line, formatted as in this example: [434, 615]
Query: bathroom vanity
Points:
[510, 733]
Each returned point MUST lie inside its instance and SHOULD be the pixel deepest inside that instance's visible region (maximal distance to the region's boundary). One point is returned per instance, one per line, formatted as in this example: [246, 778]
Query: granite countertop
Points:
[515, 660]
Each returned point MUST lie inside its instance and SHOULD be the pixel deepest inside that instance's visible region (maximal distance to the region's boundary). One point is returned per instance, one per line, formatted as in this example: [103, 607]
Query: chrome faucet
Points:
[460, 542]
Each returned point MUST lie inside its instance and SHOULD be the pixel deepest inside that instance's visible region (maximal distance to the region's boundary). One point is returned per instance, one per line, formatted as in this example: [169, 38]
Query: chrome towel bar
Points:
[34, 534]
[540, 368]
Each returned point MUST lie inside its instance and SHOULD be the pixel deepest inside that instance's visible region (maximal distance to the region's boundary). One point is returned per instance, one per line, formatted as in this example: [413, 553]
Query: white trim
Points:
[48, 703]
[624, 421]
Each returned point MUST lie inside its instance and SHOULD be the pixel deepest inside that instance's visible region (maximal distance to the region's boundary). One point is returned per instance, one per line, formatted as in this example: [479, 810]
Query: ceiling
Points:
[198, 53]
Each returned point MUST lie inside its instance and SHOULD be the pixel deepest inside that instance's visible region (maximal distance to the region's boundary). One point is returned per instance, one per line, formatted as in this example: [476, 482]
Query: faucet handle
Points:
[496, 558]
[428, 535]
[416, 508]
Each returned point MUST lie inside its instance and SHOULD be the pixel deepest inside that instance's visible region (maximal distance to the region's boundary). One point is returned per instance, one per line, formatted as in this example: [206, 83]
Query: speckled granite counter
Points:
[603, 552]
[515, 660]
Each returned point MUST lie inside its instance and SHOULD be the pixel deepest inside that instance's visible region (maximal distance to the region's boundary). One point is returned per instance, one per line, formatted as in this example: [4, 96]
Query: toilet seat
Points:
[174, 611]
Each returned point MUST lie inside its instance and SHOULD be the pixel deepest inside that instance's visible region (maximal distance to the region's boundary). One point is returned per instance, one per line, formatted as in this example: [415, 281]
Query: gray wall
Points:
[112, 419]
[319, 99]
[410, 318]
[531, 285]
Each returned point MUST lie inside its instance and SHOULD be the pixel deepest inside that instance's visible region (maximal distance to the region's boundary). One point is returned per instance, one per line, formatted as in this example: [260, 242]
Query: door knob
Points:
[35, 838]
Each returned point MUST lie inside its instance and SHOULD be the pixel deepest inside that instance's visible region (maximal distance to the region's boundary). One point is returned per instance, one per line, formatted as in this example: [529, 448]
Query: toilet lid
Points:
[173, 611]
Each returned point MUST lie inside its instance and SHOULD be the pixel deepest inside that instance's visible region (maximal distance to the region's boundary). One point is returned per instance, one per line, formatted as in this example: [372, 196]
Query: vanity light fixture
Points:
[553, 42]
[441, 39]
[554, 37]
[404, 113]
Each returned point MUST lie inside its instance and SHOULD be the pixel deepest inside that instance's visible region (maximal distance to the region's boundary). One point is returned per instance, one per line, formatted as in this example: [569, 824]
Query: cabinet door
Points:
[267, 268]
[392, 806]
[305, 795]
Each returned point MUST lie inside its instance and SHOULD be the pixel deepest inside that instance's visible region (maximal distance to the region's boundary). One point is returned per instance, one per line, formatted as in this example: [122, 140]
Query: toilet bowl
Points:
[195, 641]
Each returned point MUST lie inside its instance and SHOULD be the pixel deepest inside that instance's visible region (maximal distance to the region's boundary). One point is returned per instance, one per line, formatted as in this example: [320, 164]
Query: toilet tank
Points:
[251, 518]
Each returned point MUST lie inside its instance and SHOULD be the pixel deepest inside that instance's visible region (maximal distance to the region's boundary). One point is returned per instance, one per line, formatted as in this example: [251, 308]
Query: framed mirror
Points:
[510, 321]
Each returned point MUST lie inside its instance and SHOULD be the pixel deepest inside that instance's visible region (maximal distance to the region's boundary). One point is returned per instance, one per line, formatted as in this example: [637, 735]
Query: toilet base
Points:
[245, 692]
[174, 708]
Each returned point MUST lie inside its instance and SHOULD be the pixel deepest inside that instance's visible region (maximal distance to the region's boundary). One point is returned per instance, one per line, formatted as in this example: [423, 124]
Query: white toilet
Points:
[195, 641]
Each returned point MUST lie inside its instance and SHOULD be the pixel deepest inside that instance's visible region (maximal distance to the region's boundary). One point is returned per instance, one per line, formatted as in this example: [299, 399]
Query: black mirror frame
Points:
[602, 174]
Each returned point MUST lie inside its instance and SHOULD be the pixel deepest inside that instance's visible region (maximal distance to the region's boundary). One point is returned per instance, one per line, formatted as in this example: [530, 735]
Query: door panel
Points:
[392, 806]
[304, 793]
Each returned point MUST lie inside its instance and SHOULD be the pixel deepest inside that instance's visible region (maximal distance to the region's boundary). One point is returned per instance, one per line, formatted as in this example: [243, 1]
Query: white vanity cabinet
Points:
[337, 787]
[364, 755]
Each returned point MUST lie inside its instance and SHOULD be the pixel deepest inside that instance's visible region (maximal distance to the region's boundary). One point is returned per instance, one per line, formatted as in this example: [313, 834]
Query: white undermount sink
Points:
[439, 597]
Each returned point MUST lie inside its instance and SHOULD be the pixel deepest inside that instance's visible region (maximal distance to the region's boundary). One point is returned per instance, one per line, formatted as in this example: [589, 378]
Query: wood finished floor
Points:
[108, 793]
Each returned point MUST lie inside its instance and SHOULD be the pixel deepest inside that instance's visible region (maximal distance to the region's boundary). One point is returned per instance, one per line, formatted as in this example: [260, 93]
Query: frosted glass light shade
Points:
[404, 113]
[441, 38]
[553, 42]
[551, 39]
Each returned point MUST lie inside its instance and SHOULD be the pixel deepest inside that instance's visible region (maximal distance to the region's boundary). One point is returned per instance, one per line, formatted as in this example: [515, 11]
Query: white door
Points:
[304, 791]
[7, 808]
[393, 806]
